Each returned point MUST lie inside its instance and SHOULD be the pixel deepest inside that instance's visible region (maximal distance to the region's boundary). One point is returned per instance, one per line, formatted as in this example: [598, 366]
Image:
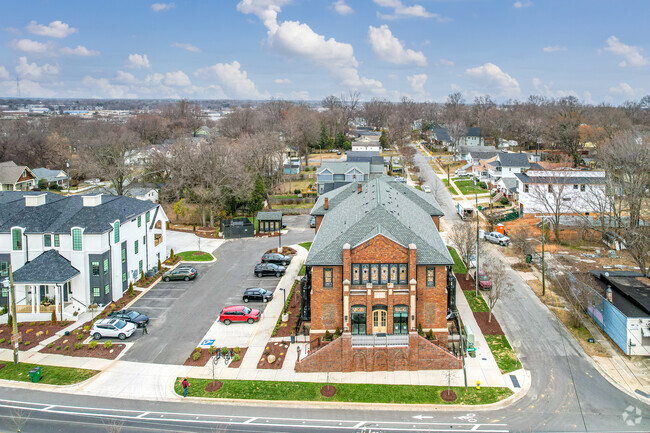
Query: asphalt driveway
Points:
[182, 312]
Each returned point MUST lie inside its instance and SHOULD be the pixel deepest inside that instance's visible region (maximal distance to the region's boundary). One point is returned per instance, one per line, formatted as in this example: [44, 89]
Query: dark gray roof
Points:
[513, 159]
[561, 180]
[633, 289]
[510, 183]
[361, 154]
[441, 134]
[481, 154]
[474, 131]
[48, 268]
[59, 214]
[467, 149]
[383, 207]
[269, 215]
[342, 167]
[49, 175]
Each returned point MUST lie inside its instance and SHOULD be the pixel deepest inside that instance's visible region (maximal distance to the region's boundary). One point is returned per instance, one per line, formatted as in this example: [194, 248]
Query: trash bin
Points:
[472, 352]
[35, 374]
[293, 339]
[529, 258]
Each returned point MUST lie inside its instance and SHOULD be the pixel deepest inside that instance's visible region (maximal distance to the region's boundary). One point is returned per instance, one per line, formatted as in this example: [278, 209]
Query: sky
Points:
[596, 50]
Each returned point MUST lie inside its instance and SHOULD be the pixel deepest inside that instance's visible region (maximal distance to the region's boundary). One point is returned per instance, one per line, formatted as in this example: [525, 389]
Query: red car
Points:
[484, 282]
[239, 313]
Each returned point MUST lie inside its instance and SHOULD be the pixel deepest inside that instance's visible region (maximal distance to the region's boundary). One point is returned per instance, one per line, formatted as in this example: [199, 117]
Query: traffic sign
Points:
[17, 338]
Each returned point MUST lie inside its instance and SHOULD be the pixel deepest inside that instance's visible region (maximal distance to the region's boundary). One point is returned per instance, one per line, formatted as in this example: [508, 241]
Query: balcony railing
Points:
[380, 340]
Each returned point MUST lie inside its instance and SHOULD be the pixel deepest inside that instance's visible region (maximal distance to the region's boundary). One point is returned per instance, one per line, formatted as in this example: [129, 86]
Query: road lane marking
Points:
[143, 414]
[249, 421]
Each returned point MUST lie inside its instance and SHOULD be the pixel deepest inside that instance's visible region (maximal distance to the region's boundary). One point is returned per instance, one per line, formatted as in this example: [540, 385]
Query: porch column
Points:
[346, 305]
[37, 289]
[412, 310]
[32, 298]
[57, 301]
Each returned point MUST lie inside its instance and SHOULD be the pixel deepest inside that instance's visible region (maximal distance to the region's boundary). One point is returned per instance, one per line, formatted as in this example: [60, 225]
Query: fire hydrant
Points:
[478, 384]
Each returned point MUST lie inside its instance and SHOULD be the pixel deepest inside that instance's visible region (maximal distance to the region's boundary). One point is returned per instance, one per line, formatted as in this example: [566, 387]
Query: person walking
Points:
[186, 384]
[144, 328]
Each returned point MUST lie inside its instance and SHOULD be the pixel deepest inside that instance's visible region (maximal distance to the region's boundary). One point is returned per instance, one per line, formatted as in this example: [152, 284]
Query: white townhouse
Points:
[562, 191]
[67, 253]
[506, 165]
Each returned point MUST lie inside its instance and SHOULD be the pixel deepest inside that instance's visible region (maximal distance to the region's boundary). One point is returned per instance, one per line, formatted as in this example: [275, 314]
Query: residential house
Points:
[16, 177]
[378, 271]
[139, 191]
[76, 251]
[335, 174]
[473, 137]
[440, 136]
[474, 155]
[376, 161]
[506, 165]
[562, 191]
[366, 144]
[464, 151]
[52, 177]
[292, 165]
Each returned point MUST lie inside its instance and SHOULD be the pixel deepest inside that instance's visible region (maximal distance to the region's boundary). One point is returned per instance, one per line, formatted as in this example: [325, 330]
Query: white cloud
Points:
[29, 46]
[553, 48]
[102, 88]
[490, 75]
[522, 4]
[282, 81]
[624, 89]
[294, 39]
[31, 71]
[79, 51]
[417, 82]
[177, 78]
[631, 54]
[125, 78]
[341, 8]
[154, 79]
[4, 74]
[159, 7]
[444, 62]
[401, 11]
[390, 49]
[138, 61]
[548, 90]
[187, 47]
[28, 89]
[13, 30]
[56, 29]
[233, 79]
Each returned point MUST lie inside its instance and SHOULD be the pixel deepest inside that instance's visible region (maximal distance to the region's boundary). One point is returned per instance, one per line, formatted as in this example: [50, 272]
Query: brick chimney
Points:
[326, 206]
[359, 188]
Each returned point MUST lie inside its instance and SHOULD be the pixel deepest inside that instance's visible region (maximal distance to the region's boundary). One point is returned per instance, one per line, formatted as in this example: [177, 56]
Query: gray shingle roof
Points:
[384, 207]
[49, 175]
[50, 267]
[467, 149]
[479, 154]
[10, 172]
[269, 216]
[558, 180]
[513, 159]
[59, 214]
[342, 167]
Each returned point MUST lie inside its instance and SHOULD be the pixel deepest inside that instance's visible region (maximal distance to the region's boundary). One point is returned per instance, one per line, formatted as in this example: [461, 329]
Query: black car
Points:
[180, 273]
[257, 294]
[262, 269]
[277, 258]
[130, 316]
[312, 222]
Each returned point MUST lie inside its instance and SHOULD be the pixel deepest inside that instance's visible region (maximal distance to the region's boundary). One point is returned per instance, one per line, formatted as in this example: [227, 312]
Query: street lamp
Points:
[9, 283]
[284, 297]
[477, 234]
[67, 166]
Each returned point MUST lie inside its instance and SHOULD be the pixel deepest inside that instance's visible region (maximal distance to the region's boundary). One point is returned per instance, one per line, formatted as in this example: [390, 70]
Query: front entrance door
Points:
[379, 321]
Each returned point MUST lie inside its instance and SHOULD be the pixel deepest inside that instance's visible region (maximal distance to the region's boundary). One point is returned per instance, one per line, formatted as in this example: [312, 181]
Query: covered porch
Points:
[43, 286]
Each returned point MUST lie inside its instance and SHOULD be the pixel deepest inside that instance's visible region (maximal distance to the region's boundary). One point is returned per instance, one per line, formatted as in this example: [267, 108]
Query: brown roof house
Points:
[378, 271]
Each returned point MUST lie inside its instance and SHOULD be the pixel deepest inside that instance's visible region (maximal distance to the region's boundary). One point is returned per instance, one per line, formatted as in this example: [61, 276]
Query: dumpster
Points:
[529, 258]
[35, 374]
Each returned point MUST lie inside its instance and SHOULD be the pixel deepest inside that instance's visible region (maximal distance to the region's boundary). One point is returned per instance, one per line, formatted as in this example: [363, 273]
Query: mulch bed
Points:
[59, 348]
[213, 386]
[29, 331]
[448, 395]
[285, 251]
[465, 284]
[488, 328]
[279, 350]
[328, 391]
[237, 364]
[205, 358]
[149, 281]
[288, 328]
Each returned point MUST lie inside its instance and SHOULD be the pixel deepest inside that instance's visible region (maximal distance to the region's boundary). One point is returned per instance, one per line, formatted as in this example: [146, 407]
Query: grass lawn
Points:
[303, 271]
[467, 186]
[346, 392]
[503, 353]
[50, 375]
[306, 245]
[192, 256]
[477, 304]
[293, 206]
[459, 266]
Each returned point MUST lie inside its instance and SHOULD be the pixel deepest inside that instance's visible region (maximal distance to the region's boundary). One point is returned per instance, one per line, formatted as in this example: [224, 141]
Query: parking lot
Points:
[182, 312]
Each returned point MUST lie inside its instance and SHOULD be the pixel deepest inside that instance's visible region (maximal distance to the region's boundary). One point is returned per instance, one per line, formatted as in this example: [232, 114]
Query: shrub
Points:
[78, 346]
[420, 331]
[327, 336]
[196, 355]
[2, 340]
[236, 350]
[32, 324]
[482, 185]
[3, 310]
[10, 321]
[66, 348]
[224, 350]
[296, 191]
[53, 319]
[47, 332]
[80, 336]
[504, 200]
[58, 347]
[92, 344]
[108, 344]
[198, 349]
[86, 328]
[430, 335]
[130, 289]
[171, 254]
[159, 265]
[337, 333]
[212, 350]
[142, 278]
[27, 343]
[235, 358]
[49, 346]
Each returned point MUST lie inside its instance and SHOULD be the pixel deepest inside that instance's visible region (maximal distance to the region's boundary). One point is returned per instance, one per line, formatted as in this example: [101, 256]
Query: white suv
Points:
[112, 328]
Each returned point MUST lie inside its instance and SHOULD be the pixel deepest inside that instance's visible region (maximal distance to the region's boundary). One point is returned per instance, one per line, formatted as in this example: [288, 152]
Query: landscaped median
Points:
[195, 256]
[50, 375]
[345, 392]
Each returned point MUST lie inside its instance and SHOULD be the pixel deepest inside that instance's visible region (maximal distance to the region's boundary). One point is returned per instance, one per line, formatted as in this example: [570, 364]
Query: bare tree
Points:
[376, 112]
[501, 282]
[551, 198]
[302, 128]
[637, 243]
[463, 237]
[564, 127]
[457, 130]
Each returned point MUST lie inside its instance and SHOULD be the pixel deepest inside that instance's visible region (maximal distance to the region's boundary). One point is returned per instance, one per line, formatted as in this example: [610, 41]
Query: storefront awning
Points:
[48, 268]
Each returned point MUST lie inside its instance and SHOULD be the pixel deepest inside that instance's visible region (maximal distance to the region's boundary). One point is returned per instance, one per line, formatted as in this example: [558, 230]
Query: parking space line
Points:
[154, 308]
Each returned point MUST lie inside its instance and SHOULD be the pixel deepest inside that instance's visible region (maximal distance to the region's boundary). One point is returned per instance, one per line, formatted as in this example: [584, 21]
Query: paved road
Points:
[182, 312]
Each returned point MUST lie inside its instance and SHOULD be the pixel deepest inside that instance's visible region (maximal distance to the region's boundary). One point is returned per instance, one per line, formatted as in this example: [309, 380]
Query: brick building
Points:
[378, 271]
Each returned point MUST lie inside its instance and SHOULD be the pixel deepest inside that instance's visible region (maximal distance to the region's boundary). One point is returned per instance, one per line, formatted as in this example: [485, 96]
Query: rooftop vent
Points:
[92, 200]
[35, 200]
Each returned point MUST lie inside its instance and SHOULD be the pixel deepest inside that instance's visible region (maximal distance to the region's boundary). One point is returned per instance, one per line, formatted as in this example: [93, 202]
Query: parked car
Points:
[131, 316]
[461, 173]
[426, 188]
[239, 313]
[484, 282]
[312, 222]
[262, 269]
[497, 238]
[277, 258]
[107, 328]
[180, 273]
[257, 294]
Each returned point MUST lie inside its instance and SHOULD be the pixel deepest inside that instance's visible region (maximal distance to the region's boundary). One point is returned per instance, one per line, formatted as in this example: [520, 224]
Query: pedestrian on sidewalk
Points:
[144, 328]
[186, 384]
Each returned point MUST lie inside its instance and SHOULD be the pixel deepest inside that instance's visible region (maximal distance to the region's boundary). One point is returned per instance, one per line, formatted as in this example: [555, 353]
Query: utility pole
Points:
[543, 261]
[12, 294]
[477, 237]
[67, 165]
